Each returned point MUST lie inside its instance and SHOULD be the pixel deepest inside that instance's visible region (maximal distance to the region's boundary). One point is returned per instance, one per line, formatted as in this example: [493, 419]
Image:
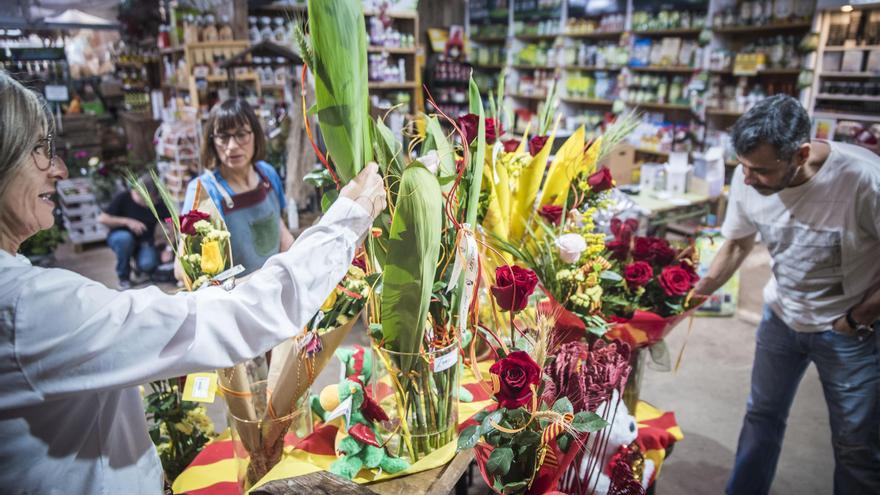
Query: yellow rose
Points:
[212, 259]
[329, 302]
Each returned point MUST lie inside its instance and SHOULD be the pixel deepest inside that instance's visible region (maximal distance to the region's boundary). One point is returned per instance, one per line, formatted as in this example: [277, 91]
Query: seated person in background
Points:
[132, 231]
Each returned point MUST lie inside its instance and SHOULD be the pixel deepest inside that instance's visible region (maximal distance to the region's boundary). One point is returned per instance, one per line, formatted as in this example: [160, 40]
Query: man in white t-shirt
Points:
[816, 205]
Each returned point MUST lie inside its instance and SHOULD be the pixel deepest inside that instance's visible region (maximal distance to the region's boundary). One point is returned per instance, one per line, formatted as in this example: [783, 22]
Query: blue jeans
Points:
[849, 369]
[126, 246]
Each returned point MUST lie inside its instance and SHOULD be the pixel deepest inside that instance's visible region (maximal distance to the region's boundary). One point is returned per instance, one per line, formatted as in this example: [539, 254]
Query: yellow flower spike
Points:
[527, 189]
[564, 169]
[212, 259]
[329, 302]
[523, 144]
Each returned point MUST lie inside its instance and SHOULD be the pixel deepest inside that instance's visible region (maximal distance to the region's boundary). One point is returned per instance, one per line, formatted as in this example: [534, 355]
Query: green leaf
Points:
[328, 199]
[469, 437]
[339, 49]
[562, 441]
[413, 251]
[527, 438]
[488, 421]
[480, 416]
[588, 422]
[517, 416]
[440, 143]
[499, 461]
[610, 275]
[387, 148]
[563, 405]
[319, 178]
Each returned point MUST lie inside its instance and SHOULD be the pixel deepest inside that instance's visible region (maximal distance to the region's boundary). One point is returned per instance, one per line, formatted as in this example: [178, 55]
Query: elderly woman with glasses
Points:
[72, 351]
[246, 190]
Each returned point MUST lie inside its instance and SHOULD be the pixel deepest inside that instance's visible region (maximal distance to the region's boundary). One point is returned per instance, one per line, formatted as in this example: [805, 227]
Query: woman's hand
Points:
[367, 190]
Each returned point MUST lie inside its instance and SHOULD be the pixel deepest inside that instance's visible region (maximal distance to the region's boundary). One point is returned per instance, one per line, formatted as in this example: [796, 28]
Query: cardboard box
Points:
[852, 61]
[622, 163]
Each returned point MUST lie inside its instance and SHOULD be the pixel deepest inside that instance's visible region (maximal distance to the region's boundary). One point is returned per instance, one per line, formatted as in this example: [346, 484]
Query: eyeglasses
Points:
[241, 137]
[46, 147]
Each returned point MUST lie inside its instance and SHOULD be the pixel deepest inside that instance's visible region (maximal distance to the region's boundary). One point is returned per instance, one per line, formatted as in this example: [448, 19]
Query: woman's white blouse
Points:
[72, 353]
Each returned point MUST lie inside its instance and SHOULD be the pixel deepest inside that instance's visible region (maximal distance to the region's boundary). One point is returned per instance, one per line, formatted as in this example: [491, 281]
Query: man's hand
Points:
[842, 327]
[367, 190]
[135, 226]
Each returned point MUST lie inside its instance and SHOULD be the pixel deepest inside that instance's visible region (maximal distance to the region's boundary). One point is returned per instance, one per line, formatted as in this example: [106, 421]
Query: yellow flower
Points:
[329, 302]
[212, 259]
[185, 427]
[592, 279]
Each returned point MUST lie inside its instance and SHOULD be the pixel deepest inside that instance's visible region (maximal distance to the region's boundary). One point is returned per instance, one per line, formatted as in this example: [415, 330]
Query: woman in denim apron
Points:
[247, 191]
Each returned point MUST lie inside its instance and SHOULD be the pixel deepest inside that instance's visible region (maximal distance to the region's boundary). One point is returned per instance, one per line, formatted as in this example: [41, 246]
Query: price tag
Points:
[200, 387]
[235, 270]
[343, 408]
[56, 92]
[446, 361]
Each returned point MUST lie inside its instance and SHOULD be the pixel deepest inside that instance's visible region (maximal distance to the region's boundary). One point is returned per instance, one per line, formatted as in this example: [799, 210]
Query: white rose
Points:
[431, 161]
[570, 247]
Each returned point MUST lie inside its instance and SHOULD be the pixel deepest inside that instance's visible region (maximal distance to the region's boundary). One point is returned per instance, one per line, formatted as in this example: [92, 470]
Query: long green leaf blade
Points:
[413, 251]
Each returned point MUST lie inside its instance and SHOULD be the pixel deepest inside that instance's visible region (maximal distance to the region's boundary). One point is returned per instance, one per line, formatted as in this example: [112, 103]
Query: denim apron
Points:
[252, 218]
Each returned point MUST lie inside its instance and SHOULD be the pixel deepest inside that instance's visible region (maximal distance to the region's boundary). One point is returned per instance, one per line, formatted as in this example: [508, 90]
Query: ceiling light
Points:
[846, 8]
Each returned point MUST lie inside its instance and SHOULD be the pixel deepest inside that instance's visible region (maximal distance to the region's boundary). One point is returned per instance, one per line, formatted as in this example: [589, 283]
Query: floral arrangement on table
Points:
[550, 398]
[179, 428]
[656, 289]
[421, 251]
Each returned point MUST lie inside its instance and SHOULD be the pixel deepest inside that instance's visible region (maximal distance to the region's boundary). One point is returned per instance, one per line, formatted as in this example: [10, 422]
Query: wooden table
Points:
[439, 481]
[663, 211]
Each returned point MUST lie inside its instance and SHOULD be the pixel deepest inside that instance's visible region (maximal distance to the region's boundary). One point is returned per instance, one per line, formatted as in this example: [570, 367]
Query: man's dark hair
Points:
[779, 121]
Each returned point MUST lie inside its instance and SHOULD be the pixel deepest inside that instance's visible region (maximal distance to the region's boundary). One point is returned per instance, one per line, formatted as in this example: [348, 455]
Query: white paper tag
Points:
[235, 270]
[343, 408]
[56, 92]
[201, 387]
[446, 361]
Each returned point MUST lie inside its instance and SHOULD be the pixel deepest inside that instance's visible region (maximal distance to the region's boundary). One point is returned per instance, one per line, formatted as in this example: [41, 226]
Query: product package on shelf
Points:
[177, 146]
[80, 210]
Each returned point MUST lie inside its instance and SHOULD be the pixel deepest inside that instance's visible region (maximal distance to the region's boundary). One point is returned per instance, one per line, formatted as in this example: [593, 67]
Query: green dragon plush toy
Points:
[357, 442]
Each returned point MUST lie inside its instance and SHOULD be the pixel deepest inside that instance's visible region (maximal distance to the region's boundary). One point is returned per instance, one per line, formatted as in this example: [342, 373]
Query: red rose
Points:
[675, 281]
[601, 180]
[663, 254]
[638, 274]
[551, 213]
[536, 144]
[619, 250]
[517, 373]
[623, 230]
[188, 221]
[642, 249]
[513, 286]
[510, 145]
[469, 124]
[494, 130]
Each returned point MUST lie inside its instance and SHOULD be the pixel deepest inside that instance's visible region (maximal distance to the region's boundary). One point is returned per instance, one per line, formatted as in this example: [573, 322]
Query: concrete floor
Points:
[708, 393]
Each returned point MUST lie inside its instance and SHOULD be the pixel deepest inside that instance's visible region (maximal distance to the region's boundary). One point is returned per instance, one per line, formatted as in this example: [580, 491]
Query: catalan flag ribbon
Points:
[213, 472]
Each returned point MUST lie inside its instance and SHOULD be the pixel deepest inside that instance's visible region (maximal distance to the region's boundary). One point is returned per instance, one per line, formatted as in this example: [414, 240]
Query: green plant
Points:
[43, 242]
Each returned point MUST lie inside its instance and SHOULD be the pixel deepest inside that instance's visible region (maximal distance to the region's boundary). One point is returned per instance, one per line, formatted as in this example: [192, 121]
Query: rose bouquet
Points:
[655, 291]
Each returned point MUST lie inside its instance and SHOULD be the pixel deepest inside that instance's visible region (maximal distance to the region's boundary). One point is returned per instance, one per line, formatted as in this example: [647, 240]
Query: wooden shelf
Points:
[488, 39]
[536, 37]
[284, 8]
[668, 32]
[867, 75]
[533, 67]
[676, 70]
[661, 106]
[595, 35]
[762, 29]
[403, 14]
[848, 48]
[489, 66]
[864, 98]
[219, 44]
[173, 49]
[392, 85]
[219, 79]
[591, 68]
[845, 116]
[388, 49]
[528, 97]
[586, 101]
[721, 112]
[763, 72]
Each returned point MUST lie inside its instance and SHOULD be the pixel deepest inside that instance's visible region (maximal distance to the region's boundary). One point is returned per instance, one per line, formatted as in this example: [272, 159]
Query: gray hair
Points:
[779, 121]
[24, 120]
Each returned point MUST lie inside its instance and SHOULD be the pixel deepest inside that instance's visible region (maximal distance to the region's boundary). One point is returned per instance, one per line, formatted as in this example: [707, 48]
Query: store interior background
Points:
[129, 77]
